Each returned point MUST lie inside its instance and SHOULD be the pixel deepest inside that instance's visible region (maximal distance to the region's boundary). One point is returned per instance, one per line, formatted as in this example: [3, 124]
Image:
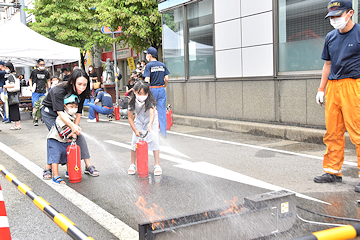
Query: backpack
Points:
[124, 103]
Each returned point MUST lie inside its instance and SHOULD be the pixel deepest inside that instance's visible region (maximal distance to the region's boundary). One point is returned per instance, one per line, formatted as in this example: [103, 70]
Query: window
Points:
[200, 51]
[302, 32]
[173, 34]
[200, 38]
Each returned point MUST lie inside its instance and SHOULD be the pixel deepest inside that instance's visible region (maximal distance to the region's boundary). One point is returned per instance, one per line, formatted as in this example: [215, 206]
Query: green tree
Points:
[140, 21]
[71, 22]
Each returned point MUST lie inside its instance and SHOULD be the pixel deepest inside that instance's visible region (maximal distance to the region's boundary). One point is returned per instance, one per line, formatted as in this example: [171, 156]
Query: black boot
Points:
[328, 178]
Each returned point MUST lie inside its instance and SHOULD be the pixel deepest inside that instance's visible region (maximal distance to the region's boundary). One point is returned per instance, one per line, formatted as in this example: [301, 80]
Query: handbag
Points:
[16, 88]
[13, 98]
[96, 85]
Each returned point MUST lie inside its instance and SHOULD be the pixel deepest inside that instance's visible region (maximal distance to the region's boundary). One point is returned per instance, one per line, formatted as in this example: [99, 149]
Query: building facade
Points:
[250, 60]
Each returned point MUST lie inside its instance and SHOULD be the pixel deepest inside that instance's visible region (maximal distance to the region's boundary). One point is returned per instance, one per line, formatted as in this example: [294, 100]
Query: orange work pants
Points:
[342, 112]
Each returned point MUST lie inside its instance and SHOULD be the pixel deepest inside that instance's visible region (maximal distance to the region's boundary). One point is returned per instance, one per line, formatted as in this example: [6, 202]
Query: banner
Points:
[131, 63]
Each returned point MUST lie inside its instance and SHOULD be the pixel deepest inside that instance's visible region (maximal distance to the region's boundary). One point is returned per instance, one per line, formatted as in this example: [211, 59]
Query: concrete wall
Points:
[289, 101]
[243, 38]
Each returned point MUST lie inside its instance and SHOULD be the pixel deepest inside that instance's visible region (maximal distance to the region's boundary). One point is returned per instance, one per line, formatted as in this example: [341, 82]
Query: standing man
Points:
[66, 74]
[2, 83]
[157, 75]
[39, 82]
[341, 77]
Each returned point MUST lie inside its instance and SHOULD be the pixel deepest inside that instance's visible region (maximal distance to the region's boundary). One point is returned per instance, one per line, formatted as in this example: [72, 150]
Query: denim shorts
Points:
[35, 97]
[56, 152]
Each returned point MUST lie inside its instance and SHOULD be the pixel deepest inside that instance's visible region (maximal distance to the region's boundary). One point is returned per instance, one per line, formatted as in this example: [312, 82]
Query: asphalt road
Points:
[202, 170]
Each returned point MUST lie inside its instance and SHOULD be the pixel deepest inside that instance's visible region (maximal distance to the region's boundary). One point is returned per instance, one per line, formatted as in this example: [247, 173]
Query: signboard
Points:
[107, 30]
[123, 53]
[131, 63]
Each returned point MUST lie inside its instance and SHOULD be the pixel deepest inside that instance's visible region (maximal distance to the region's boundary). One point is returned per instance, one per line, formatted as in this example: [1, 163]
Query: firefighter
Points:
[341, 77]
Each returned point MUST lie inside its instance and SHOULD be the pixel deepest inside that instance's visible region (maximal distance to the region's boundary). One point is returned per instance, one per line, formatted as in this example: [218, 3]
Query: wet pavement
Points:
[201, 170]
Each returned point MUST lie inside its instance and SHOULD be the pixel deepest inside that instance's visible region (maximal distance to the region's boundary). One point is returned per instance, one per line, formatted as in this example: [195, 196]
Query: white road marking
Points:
[163, 156]
[217, 171]
[220, 172]
[353, 164]
[257, 147]
[104, 218]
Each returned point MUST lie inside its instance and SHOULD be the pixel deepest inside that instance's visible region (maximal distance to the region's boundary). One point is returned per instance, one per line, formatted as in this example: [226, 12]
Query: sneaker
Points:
[110, 118]
[91, 120]
[357, 188]
[66, 174]
[91, 171]
[327, 178]
[36, 123]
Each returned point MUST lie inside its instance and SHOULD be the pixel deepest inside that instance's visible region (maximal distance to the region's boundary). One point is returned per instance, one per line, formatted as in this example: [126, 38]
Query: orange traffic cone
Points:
[4, 223]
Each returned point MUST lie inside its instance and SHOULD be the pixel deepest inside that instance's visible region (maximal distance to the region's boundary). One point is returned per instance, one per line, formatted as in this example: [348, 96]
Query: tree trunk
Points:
[83, 60]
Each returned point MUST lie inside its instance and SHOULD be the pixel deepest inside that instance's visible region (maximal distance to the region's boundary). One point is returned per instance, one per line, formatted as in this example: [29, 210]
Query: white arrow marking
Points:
[216, 171]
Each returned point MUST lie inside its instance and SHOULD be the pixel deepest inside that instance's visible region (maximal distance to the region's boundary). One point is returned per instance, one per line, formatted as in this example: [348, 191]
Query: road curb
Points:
[287, 132]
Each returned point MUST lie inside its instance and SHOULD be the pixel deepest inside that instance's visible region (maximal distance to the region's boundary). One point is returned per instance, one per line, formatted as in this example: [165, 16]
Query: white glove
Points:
[320, 98]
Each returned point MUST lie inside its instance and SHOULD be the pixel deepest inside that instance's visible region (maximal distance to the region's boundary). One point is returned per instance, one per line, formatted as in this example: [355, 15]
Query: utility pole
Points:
[23, 20]
[115, 71]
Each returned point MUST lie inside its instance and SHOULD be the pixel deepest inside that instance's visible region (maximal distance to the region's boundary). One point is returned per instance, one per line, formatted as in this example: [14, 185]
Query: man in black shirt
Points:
[66, 73]
[39, 82]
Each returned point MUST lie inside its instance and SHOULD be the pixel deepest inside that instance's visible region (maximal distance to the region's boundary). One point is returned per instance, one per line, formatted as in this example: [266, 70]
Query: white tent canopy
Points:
[23, 46]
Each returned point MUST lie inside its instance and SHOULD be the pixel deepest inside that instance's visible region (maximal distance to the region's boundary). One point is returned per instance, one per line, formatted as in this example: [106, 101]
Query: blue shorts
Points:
[35, 97]
[56, 151]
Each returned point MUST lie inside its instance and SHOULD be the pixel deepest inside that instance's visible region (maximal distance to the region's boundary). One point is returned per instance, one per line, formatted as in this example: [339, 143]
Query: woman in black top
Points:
[79, 85]
[14, 113]
[92, 73]
[129, 87]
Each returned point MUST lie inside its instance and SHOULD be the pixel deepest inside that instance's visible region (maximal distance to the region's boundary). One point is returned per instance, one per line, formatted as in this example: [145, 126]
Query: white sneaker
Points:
[91, 120]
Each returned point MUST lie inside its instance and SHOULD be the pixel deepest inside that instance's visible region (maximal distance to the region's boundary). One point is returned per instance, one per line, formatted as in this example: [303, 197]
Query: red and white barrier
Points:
[4, 223]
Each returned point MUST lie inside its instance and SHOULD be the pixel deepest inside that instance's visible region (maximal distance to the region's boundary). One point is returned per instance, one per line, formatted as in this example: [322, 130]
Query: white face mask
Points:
[54, 83]
[7, 70]
[90, 69]
[339, 22]
[138, 66]
[41, 68]
[141, 98]
[142, 65]
[72, 111]
[148, 58]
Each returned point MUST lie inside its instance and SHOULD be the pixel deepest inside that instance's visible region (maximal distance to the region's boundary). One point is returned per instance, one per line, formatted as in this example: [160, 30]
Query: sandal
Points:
[91, 171]
[132, 169]
[15, 128]
[47, 174]
[58, 180]
[157, 170]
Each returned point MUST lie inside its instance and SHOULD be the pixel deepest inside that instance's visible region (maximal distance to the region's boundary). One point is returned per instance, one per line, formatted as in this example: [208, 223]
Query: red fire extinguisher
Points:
[142, 157]
[169, 118]
[171, 114]
[74, 162]
[96, 116]
[117, 112]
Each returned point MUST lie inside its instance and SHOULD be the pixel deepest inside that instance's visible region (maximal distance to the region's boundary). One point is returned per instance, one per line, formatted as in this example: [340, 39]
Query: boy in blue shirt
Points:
[59, 138]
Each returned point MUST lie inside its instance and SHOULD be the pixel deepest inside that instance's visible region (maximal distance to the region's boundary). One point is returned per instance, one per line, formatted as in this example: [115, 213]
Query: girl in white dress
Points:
[142, 108]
